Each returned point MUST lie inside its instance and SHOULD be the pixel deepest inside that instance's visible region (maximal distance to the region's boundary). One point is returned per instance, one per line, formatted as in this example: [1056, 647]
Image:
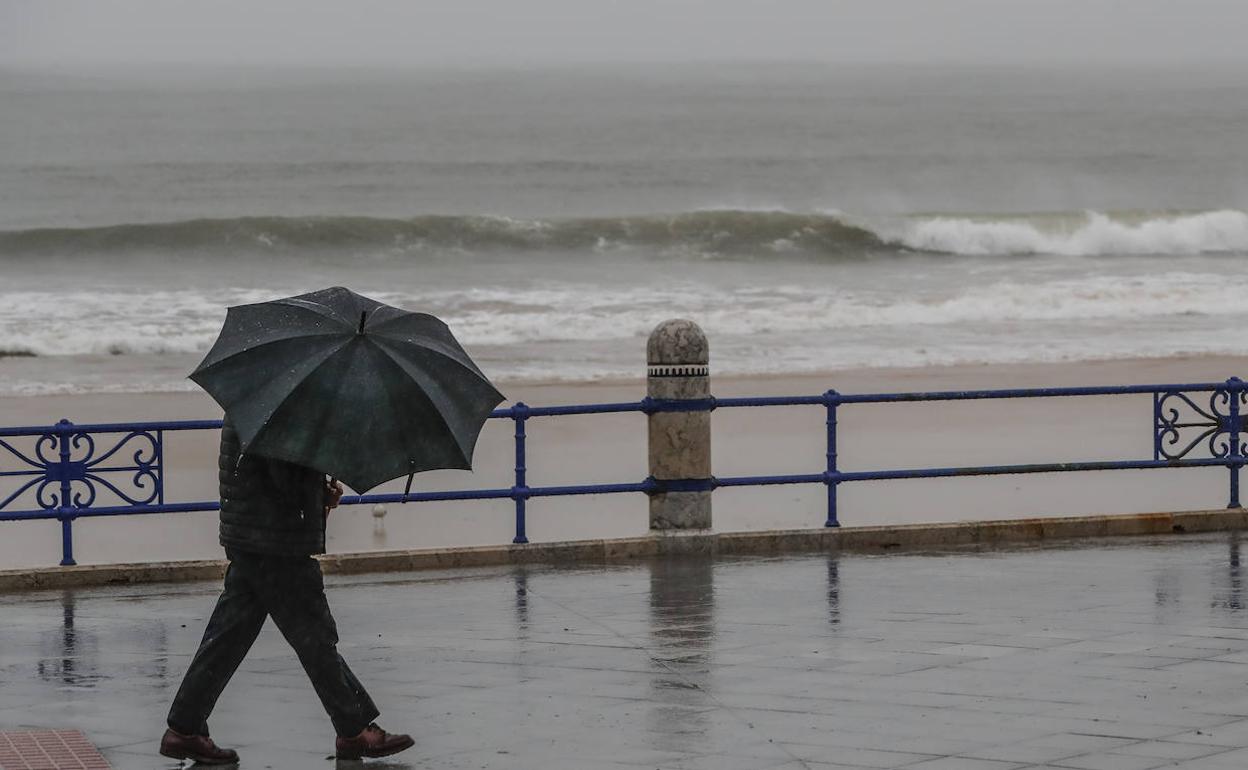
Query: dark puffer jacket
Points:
[269, 506]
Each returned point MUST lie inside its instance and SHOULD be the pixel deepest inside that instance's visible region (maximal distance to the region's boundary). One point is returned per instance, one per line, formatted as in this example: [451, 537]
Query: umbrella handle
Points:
[329, 485]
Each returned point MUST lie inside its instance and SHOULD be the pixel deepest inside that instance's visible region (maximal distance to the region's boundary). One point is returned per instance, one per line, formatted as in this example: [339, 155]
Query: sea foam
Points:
[1099, 235]
[121, 322]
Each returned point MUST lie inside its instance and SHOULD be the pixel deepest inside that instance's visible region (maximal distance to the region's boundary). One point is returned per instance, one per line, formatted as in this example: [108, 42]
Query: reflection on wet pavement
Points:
[682, 627]
[68, 655]
[1228, 588]
[1109, 655]
[834, 590]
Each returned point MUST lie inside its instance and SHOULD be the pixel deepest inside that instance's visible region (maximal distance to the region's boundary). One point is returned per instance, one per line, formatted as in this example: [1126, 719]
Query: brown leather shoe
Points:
[373, 742]
[197, 748]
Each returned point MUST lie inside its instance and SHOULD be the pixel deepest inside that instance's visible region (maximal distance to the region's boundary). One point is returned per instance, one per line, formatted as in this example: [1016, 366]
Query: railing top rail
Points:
[729, 403]
[71, 428]
[648, 404]
[1097, 390]
[552, 411]
[520, 410]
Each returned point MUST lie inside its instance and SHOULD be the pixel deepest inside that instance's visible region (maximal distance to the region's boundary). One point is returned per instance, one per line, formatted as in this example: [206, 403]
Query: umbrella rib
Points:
[317, 308]
[436, 351]
[430, 343]
[282, 401]
[437, 412]
[264, 344]
[420, 376]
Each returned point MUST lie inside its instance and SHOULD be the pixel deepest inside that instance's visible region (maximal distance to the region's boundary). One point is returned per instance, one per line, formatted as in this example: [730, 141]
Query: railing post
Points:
[1157, 427]
[831, 400]
[159, 462]
[67, 542]
[64, 429]
[520, 492]
[678, 358]
[1234, 388]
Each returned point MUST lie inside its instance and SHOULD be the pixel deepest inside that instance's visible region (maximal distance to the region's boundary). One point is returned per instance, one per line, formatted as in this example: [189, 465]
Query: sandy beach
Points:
[607, 448]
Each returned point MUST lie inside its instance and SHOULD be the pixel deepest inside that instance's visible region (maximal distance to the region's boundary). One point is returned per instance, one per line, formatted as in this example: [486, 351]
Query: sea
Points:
[810, 217]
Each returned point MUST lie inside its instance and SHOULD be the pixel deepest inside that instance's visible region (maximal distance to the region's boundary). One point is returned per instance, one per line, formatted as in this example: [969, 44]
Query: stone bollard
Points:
[680, 442]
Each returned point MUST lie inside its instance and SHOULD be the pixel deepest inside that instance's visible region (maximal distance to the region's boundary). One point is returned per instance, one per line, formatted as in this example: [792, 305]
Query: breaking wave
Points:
[1094, 234]
[696, 233]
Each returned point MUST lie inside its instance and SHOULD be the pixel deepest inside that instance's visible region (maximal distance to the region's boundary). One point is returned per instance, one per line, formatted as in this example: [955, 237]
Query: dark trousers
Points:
[292, 590]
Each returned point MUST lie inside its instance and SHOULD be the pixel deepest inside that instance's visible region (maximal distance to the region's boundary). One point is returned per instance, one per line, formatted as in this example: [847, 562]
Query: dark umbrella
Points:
[347, 385]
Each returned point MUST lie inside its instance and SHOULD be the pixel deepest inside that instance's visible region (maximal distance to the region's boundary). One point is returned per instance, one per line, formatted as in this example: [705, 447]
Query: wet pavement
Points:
[1118, 655]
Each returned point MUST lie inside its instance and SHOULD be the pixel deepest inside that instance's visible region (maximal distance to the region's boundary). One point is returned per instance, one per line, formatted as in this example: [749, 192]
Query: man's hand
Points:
[333, 494]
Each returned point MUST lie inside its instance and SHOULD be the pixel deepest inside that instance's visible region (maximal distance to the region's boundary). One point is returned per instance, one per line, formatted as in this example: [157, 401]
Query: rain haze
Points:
[861, 197]
[846, 196]
[824, 186]
[391, 33]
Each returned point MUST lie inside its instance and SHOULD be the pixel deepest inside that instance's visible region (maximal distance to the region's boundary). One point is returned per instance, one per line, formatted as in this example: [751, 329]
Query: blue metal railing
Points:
[62, 474]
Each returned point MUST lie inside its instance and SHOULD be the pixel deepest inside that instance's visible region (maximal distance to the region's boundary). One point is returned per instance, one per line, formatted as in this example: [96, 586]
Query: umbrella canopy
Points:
[347, 385]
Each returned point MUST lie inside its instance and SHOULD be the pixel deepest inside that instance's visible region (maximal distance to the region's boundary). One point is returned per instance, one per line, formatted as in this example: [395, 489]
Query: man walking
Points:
[273, 517]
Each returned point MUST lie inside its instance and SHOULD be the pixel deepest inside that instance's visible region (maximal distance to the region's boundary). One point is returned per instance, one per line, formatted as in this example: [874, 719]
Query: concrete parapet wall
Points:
[110, 574]
[865, 539]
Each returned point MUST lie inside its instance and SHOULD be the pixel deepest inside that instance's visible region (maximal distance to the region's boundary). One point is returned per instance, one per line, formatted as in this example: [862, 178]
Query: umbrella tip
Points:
[363, 318]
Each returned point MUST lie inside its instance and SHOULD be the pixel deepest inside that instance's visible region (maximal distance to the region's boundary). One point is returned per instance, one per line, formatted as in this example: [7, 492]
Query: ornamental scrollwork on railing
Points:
[1199, 422]
[67, 469]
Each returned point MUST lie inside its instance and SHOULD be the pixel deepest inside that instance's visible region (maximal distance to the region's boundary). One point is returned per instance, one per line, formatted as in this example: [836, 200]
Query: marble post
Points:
[680, 442]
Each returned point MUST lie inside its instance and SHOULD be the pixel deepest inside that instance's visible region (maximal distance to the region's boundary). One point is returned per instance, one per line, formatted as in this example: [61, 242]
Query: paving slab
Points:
[49, 750]
[1107, 654]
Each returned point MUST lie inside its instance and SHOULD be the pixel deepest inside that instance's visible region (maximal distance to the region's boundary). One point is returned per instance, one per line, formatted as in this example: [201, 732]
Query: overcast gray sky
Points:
[450, 32]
